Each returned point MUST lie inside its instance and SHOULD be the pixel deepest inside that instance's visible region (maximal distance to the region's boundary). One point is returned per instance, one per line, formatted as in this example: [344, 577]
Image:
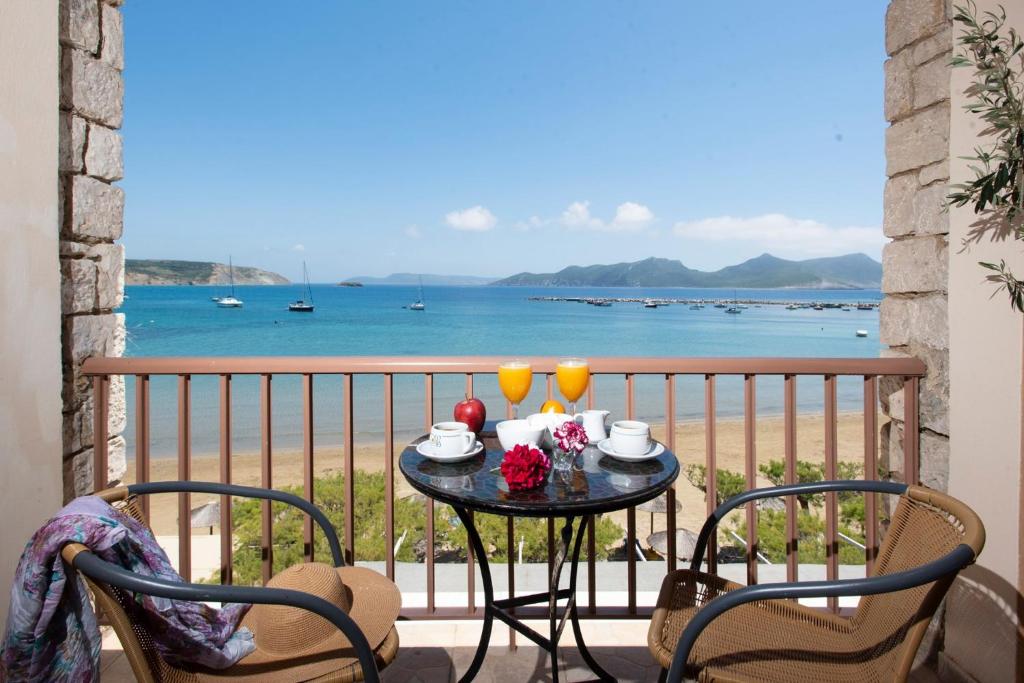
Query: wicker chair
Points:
[113, 587]
[716, 630]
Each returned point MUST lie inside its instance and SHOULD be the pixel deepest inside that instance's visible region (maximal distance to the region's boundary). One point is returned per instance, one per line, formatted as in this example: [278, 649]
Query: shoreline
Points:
[371, 439]
[287, 464]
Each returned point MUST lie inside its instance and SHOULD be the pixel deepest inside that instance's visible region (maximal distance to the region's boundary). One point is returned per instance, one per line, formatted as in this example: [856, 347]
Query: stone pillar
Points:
[92, 217]
[915, 264]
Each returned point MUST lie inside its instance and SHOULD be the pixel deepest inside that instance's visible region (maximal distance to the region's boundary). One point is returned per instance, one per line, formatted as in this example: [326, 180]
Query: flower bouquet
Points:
[570, 440]
[525, 467]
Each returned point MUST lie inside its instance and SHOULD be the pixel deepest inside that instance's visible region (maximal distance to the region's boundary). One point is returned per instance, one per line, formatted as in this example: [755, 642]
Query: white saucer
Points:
[605, 446]
[425, 449]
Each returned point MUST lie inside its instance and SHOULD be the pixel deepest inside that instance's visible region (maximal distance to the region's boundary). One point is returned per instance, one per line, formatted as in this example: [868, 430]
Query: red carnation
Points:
[525, 467]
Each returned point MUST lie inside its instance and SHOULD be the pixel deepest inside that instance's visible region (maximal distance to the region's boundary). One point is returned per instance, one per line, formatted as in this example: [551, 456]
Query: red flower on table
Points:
[571, 437]
[525, 467]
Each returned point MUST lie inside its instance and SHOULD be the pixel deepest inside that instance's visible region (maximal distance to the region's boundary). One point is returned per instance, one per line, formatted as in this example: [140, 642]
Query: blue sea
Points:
[500, 321]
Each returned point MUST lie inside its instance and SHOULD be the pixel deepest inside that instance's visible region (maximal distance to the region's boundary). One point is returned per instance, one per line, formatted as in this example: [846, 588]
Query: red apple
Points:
[472, 412]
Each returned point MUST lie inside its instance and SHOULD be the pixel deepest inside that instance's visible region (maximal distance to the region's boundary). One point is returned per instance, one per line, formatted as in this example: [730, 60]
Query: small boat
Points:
[695, 307]
[845, 310]
[602, 303]
[215, 299]
[733, 310]
[864, 307]
[720, 305]
[300, 306]
[862, 333]
[819, 308]
[418, 305]
[230, 301]
[649, 303]
[743, 306]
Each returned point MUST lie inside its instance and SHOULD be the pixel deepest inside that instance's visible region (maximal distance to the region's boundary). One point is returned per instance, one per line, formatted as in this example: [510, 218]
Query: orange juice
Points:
[514, 378]
[573, 376]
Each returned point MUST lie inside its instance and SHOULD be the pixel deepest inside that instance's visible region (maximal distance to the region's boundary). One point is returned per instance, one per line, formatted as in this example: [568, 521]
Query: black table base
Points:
[500, 609]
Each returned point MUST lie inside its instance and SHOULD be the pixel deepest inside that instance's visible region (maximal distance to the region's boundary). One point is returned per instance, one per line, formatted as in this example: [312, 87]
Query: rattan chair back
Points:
[925, 526]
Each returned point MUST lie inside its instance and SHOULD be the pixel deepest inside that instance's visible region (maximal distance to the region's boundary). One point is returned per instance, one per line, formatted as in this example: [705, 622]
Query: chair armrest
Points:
[951, 563]
[103, 571]
[788, 490]
[247, 492]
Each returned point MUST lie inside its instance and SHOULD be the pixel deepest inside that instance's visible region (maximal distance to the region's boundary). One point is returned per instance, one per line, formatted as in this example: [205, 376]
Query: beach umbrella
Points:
[659, 505]
[686, 541]
[207, 514]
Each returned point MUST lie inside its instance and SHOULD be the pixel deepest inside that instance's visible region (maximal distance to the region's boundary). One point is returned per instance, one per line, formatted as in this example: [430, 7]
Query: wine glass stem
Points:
[515, 411]
[572, 407]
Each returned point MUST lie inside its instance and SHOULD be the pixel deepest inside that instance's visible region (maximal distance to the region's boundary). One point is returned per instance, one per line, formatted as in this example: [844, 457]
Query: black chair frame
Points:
[952, 562]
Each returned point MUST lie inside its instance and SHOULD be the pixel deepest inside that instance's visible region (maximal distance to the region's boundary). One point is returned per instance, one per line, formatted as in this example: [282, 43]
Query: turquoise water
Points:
[183, 321]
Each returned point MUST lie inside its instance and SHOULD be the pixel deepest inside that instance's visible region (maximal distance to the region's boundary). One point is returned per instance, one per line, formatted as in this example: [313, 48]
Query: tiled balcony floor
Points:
[439, 652]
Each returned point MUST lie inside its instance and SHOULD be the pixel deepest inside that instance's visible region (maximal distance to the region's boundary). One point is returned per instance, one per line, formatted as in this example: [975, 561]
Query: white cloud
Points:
[475, 218]
[577, 215]
[784, 236]
[298, 247]
[631, 216]
[531, 223]
[413, 231]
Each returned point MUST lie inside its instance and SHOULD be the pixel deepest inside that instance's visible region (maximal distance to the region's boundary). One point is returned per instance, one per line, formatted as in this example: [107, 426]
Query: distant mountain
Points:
[414, 279]
[852, 271]
[158, 272]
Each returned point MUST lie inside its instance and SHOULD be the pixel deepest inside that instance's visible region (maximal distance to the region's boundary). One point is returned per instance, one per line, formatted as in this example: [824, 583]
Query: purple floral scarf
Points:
[52, 634]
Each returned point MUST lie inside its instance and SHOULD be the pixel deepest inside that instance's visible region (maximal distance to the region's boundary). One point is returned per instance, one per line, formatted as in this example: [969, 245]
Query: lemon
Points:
[552, 406]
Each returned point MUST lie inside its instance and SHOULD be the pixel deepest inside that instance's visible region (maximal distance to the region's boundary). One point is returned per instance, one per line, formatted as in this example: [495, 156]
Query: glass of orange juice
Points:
[514, 378]
[573, 376]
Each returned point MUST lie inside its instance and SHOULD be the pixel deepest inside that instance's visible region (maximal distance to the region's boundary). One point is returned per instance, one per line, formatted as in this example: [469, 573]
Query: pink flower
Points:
[524, 467]
[571, 437]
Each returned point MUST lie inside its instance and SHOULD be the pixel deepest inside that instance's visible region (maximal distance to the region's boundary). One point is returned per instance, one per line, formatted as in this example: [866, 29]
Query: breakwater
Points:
[731, 301]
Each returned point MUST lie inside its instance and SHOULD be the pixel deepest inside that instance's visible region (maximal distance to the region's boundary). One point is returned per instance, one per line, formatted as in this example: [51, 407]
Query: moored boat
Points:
[300, 305]
[230, 301]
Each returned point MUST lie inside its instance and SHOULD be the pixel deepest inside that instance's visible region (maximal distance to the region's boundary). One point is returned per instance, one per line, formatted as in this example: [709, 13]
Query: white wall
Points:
[30, 362]
[986, 351]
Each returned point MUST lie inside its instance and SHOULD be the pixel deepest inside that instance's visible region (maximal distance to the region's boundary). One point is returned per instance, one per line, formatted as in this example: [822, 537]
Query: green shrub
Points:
[728, 483]
[771, 537]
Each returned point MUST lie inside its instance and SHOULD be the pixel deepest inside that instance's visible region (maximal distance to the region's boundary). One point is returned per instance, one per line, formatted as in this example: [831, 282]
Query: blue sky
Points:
[490, 138]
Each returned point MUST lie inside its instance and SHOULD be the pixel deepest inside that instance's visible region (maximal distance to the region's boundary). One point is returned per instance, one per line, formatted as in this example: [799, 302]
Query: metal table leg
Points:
[556, 624]
[574, 613]
[485, 574]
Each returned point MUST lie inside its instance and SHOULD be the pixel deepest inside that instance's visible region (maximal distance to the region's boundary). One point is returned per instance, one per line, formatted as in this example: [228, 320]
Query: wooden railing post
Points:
[266, 479]
[100, 413]
[226, 528]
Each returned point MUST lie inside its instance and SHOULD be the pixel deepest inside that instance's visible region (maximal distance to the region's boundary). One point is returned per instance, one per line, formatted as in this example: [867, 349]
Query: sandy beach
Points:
[690, 448]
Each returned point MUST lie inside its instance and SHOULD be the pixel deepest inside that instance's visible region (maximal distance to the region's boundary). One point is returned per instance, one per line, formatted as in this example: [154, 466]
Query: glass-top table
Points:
[597, 483]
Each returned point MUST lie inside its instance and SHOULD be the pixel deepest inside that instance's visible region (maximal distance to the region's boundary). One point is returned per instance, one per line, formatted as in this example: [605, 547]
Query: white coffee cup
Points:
[631, 437]
[451, 438]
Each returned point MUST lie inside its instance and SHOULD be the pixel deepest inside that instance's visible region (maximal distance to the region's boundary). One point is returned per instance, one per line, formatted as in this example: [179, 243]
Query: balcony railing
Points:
[908, 371]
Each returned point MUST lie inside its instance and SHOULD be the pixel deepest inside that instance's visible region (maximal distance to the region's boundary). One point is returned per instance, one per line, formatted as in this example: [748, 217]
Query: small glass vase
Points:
[562, 459]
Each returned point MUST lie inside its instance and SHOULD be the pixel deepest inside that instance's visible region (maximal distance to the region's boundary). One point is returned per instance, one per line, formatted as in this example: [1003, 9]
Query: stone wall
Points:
[915, 263]
[92, 217]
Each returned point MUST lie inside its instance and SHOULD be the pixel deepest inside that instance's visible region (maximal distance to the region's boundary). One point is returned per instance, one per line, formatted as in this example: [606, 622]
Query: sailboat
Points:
[418, 305]
[230, 301]
[300, 306]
